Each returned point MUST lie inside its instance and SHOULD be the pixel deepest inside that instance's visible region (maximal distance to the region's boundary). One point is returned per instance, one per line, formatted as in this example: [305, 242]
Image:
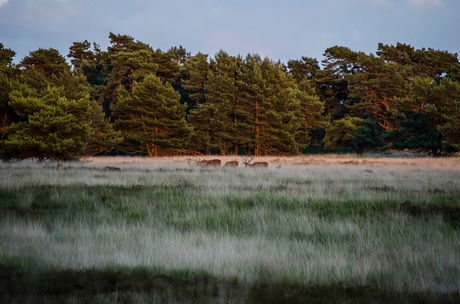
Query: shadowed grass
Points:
[140, 285]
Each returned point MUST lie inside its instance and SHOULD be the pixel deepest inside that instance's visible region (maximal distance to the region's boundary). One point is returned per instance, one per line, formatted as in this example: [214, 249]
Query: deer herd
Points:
[231, 164]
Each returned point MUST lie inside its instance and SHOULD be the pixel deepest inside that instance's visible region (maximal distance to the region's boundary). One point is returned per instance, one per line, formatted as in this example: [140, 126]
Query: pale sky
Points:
[278, 29]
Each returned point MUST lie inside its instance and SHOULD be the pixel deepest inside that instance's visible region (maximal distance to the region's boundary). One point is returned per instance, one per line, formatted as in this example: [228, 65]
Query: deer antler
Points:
[246, 161]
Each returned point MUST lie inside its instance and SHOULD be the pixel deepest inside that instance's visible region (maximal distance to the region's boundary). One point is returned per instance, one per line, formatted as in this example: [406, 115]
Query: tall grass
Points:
[353, 224]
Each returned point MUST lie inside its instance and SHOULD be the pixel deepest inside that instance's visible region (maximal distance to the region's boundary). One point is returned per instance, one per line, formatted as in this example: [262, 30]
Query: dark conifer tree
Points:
[151, 118]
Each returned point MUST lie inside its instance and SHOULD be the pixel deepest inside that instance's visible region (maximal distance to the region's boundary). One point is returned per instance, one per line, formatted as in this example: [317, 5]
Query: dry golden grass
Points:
[430, 163]
[441, 163]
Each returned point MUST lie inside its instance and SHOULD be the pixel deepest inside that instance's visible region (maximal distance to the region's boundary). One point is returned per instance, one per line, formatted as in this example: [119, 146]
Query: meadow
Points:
[320, 228]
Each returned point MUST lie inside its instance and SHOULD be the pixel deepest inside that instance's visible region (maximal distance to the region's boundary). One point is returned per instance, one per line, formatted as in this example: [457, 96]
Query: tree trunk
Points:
[256, 148]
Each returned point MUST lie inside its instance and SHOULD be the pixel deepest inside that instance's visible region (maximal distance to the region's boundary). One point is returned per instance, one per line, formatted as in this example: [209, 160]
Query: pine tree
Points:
[428, 119]
[373, 90]
[312, 114]
[54, 115]
[221, 99]
[151, 118]
[280, 111]
[193, 77]
[169, 64]
[340, 134]
[51, 126]
[370, 85]
[127, 63]
[48, 63]
[89, 62]
[103, 137]
[304, 69]
[421, 62]
[447, 95]
[249, 80]
[8, 77]
[200, 121]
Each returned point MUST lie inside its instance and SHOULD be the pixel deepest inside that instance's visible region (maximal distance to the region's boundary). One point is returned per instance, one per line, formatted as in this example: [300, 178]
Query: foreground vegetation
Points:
[153, 231]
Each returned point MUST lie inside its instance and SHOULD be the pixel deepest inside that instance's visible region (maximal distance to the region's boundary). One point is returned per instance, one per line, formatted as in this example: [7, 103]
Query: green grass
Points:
[386, 229]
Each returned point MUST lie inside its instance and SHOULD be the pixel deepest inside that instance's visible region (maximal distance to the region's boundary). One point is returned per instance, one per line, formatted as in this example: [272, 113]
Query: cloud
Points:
[423, 2]
[3, 2]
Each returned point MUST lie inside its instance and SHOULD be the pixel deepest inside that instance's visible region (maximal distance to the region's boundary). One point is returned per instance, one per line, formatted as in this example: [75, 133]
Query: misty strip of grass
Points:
[395, 230]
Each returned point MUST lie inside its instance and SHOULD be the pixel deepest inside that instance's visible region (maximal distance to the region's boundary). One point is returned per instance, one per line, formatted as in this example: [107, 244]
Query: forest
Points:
[132, 99]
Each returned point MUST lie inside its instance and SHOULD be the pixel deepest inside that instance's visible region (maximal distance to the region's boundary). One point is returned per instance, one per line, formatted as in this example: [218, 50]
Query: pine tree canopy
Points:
[131, 98]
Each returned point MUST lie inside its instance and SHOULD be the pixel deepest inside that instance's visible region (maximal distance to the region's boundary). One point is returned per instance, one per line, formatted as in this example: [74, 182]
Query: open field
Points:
[324, 228]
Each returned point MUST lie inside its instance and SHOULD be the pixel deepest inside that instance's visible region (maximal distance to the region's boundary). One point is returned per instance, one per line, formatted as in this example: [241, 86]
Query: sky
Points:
[277, 29]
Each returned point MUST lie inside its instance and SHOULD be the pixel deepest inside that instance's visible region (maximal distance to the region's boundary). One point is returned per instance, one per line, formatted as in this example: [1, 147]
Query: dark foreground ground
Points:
[141, 286]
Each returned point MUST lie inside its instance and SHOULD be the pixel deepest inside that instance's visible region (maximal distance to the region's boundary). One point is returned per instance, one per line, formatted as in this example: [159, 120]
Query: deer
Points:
[207, 163]
[213, 163]
[232, 164]
[247, 163]
[201, 163]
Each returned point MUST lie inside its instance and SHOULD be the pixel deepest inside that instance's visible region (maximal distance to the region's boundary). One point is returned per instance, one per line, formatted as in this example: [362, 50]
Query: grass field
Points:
[324, 228]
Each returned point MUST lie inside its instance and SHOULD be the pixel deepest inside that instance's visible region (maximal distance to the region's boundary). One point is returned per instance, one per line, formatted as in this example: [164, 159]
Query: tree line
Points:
[136, 100]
